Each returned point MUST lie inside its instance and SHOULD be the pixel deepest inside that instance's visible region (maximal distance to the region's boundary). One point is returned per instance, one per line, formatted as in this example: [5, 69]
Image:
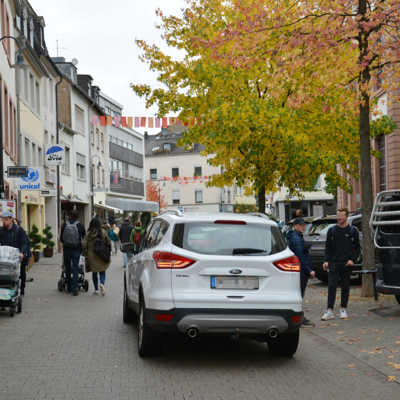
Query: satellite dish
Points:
[75, 61]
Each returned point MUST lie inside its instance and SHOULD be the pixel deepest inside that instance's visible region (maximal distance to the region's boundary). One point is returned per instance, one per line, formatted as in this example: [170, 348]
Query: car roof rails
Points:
[178, 213]
[386, 212]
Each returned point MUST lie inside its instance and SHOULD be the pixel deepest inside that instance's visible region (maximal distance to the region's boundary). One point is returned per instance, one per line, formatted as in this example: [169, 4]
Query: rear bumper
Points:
[386, 289]
[223, 321]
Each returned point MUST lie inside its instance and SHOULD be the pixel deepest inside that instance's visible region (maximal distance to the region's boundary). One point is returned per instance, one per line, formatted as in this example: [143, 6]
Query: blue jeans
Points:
[71, 266]
[96, 279]
[127, 256]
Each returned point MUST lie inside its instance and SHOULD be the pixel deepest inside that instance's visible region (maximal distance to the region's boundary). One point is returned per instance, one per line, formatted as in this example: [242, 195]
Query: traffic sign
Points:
[55, 155]
[17, 171]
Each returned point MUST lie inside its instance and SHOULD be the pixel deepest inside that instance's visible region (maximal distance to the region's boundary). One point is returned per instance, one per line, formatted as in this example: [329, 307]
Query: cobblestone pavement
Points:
[64, 347]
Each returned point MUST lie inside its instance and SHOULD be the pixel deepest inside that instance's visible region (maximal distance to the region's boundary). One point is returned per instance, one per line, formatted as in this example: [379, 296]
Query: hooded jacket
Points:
[296, 244]
[95, 263]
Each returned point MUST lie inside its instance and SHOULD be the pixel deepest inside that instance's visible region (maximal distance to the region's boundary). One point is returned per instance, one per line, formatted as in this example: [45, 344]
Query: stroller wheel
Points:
[85, 285]
[60, 285]
[19, 305]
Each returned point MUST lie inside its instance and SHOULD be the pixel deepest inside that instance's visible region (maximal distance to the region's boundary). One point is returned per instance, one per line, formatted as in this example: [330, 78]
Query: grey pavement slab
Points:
[64, 347]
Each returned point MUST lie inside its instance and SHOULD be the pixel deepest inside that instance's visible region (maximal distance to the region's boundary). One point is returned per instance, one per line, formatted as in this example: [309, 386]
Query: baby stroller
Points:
[83, 284]
[10, 295]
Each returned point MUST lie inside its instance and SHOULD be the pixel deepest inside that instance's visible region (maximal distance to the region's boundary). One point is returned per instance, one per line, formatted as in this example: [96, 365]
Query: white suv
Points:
[214, 274]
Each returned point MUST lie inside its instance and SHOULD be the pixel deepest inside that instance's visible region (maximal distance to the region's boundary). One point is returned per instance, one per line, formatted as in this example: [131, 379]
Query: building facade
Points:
[181, 175]
[126, 156]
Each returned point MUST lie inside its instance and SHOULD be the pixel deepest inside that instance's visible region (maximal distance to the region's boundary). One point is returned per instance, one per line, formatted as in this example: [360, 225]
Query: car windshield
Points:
[321, 228]
[229, 239]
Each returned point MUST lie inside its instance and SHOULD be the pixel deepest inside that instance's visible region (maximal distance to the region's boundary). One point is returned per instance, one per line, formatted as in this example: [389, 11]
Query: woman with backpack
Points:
[136, 235]
[97, 251]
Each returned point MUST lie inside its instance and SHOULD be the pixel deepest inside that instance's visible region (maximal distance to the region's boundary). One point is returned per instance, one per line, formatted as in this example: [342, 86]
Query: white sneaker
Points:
[328, 315]
[96, 292]
[102, 290]
[343, 313]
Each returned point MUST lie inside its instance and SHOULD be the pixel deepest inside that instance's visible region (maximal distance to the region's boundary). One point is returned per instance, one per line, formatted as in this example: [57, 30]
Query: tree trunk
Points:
[261, 199]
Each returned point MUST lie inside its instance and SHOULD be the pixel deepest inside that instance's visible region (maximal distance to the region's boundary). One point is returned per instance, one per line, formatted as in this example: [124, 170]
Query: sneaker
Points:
[328, 315]
[76, 293]
[96, 292]
[102, 291]
[343, 313]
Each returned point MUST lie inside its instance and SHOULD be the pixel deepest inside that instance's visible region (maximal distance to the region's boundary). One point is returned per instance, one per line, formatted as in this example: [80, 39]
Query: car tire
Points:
[149, 343]
[397, 296]
[285, 345]
[128, 315]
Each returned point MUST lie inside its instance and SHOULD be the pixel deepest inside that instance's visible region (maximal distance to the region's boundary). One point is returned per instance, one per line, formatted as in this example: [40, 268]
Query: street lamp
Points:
[19, 63]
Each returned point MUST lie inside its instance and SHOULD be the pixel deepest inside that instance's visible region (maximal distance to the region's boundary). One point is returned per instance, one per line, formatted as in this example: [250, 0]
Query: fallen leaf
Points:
[391, 378]
[351, 366]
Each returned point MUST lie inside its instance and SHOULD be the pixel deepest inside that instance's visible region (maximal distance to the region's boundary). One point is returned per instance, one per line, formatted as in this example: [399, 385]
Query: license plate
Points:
[234, 282]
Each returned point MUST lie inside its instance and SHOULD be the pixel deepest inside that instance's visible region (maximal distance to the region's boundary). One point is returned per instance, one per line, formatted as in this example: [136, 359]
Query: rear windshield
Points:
[229, 239]
[321, 228]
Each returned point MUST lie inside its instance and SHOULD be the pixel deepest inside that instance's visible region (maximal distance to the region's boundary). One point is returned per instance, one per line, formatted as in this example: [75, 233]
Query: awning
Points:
[132, 205]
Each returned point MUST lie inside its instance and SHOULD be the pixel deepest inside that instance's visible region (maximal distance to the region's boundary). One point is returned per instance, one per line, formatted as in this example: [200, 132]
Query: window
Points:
[153, 173]
[98, 175]
[176, 197]
[103, 178]
[26, 87]
[6, 118]
[34, 160]
[46, 138]
[198, 196]
[97, 138]
[382, 162]
[52, 140]
[40, 156]
[32, 90]
[37, 97]
[175, 172]
[81, 167]
[102, 141]
[92, 136]
[66, 166]
[197, 171]
[79, 120]
[27, 152]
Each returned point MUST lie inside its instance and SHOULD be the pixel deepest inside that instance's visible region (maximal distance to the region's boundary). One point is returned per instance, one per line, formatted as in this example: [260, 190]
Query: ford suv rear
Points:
[200, 274]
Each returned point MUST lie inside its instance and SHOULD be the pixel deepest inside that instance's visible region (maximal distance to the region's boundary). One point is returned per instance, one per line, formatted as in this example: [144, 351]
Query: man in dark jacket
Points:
[71, 236]
[125, 237]
[342, 249]
[297, 245]
[15, 236]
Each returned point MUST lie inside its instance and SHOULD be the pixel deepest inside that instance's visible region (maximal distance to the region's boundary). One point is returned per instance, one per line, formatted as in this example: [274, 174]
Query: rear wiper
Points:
[246, 251]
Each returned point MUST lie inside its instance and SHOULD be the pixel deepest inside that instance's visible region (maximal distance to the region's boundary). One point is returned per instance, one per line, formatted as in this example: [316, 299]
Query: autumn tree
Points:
[154, 193]
[362, 34]
[250, 119]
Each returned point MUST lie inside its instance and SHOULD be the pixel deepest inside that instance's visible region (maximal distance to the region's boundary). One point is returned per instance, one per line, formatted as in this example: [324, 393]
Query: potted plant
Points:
[35, 239]
[46, 240]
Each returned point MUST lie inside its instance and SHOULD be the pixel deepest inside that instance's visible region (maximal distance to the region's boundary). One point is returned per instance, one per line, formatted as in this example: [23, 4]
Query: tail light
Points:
[166, 260]
[230, 222]
[289, 264]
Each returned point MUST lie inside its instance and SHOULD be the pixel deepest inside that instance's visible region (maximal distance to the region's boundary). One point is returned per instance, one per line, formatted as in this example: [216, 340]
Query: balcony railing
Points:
[127, 186]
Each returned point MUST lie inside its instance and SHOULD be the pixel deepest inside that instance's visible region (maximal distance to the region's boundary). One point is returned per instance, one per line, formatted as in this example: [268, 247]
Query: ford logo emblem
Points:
[235, 271]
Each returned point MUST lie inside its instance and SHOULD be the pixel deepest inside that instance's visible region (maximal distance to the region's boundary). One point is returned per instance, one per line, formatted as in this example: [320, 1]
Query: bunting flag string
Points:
[184, 180]
[140, 122]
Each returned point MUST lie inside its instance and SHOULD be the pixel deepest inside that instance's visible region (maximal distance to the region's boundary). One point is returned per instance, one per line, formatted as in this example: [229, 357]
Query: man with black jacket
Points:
[342, 249]
[125, 236]
[15, 236]
[71, 236]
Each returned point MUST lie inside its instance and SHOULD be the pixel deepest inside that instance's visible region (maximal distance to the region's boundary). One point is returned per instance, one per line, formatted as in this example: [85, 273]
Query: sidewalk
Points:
[371, 334]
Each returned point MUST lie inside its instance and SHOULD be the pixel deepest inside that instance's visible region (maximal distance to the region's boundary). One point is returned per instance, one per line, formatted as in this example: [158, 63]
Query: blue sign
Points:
[55, 155]
[32, 181]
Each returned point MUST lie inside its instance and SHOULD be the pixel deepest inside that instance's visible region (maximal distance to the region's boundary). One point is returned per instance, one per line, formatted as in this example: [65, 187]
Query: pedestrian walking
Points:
[71, 236]
[296, 244]
[97, 251]
[136, 235]
[342, 249]
[113, 234]
[14, 235]
[124, 237]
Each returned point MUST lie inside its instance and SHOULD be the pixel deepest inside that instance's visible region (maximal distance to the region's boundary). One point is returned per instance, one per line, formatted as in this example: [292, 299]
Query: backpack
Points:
[112, 235]
[135, 236]
[71, 236]
[102, 248]
[352, 233]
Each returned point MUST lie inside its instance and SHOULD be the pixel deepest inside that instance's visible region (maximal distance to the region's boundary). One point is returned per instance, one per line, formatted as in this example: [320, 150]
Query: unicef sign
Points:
[55, 155]
[32, 181]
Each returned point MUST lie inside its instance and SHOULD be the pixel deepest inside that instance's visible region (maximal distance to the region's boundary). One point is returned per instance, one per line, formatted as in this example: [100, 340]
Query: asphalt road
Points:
[64, 347]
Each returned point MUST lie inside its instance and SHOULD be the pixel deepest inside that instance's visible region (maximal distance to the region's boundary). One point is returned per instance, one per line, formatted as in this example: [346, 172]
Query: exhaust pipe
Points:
[273, 333]
[192, 332]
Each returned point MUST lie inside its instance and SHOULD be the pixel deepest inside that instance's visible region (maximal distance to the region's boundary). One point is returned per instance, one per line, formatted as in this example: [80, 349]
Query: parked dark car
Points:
[385, 224]
[316, 238]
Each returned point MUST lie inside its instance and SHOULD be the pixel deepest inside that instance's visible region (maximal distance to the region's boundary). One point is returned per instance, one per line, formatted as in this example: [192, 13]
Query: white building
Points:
[181, 175]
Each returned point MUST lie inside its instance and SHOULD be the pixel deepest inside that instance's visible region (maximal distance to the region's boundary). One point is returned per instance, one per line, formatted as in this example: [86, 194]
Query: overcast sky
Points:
[100, 34]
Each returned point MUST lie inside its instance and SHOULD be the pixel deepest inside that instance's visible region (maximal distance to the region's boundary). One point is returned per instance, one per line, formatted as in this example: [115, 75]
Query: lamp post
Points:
[19, 62]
